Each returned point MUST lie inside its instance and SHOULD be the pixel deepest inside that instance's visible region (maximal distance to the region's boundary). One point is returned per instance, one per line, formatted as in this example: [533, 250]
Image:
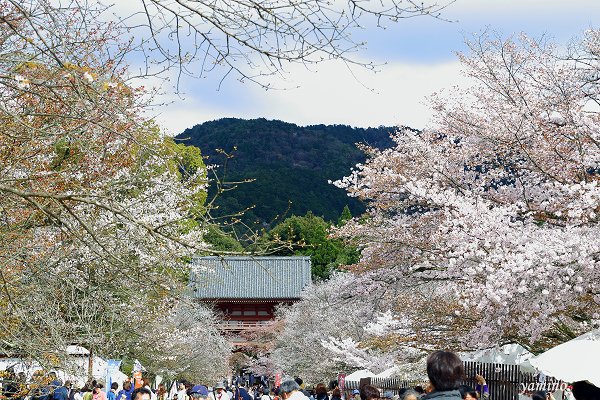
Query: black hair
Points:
[369, 392]
[467, 390]
[539, 395]
[445, 370]
[114, 385]
[139, 390]
[583, 390]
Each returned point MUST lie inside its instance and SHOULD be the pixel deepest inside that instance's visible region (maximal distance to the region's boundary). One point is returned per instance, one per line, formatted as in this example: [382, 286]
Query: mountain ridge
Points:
[291, 165]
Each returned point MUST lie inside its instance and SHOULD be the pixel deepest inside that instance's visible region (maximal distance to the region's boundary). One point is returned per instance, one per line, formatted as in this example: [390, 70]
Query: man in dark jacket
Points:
[241, 393]
[445, 371]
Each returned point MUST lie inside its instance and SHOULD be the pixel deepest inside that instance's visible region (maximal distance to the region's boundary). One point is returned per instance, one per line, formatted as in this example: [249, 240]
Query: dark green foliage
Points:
[221, 240]
[291, 165]
[308, 236]
[345, 216]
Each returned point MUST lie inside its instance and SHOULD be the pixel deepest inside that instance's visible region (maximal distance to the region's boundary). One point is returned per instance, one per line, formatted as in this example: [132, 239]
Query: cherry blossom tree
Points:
[498, 202]
[324, 333]
[253, 41]
[98, 210]
[186, 344]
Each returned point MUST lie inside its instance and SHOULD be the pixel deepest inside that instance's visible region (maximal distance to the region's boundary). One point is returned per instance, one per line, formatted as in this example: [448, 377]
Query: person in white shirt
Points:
[290, 390]
[181, 394]
[219, 393]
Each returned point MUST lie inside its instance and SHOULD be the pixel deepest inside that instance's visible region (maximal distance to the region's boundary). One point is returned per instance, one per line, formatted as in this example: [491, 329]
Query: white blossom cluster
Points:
[500, 200]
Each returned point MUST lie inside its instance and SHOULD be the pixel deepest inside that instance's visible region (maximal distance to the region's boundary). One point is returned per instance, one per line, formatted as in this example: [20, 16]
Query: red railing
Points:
[229, 326]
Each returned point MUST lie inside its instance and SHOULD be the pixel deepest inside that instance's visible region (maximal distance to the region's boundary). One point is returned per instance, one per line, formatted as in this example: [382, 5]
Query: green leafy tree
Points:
[345, 216]
[221, 240]
[308, 235]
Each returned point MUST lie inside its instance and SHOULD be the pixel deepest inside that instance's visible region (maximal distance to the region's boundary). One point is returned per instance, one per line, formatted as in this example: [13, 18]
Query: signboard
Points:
[277, 379]
[341, 378]
[112, 372]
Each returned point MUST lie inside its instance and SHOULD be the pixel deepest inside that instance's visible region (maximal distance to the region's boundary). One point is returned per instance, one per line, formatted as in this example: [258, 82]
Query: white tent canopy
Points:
[573, 360]
[387, 373]
[513, 354]
[360, 374]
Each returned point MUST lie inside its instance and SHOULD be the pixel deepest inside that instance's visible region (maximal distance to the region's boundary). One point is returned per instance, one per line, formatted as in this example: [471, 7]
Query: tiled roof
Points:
[249, 277]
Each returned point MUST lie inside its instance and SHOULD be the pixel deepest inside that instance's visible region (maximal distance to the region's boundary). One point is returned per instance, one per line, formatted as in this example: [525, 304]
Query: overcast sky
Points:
[420, 57]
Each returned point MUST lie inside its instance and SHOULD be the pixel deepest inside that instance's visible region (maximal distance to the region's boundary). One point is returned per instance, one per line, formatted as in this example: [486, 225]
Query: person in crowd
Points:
[300, 383]
[241, 393]
[73, 392]
[125, 393]
[141, 393]
[356, 394]
[70, 390]
[98, 393]
[181, 392]
[445, 371]
[266, 394]
[229, 391]
[482, 389]
[336, 394]
[583, 390]
[369, 392]
[290, 390]
[112, 393]
[87, 391]
[321, 392]
[410, 394]
[59, 391]
[219, 393]
[468, 393]
[161, 392]
[146, 384]
[199, 392]
[419, 389]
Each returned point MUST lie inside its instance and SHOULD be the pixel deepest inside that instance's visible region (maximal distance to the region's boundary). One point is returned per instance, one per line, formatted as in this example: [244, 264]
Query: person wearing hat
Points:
[356, 394]
[218, 393]
[199, 392]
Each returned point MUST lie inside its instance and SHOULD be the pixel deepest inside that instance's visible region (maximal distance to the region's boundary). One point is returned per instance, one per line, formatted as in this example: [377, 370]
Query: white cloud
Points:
[331, 96]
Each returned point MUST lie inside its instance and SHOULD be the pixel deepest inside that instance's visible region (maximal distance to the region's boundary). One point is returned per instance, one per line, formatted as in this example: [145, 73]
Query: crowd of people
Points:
[445, 371]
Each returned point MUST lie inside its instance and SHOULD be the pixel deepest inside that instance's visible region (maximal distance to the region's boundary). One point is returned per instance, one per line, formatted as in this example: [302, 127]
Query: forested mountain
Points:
[291, 165]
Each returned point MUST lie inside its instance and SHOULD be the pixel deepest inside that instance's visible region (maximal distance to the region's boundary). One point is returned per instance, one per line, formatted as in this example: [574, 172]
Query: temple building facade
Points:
[247, 289]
